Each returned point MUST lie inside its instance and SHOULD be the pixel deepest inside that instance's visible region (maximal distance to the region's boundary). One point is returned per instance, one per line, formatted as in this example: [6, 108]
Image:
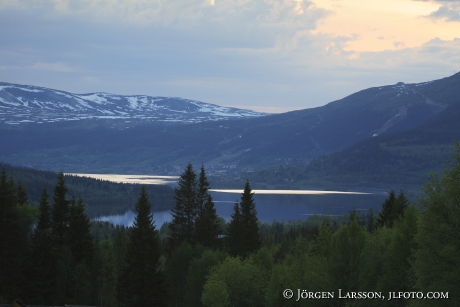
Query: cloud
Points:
[53, 67]
[448, 11]
[263, 54]
[184, 13]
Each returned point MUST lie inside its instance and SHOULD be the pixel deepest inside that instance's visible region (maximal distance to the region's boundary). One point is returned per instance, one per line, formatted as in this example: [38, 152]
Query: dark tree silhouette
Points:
[243, 237]
[141, 281]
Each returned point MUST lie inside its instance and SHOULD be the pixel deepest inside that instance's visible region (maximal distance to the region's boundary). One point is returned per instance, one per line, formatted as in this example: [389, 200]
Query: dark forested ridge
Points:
[406, 255]
[101, 197]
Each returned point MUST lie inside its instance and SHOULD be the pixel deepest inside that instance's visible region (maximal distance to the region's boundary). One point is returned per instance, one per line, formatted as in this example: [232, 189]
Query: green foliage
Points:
[207, 224]
[141, 282]
[107, 274]
[194, 216]
[344, 258]
[176, 272]
[437, 264]
[373, 259]
[186, 210]
[414, 249]
[197, 273]
[80, 238]
[60, 212]
[234, 232]
[392, 209]
[398, 258]
[301, 271]
[42, 258]
[14, 230]
[216, 294]
[239, 281]
[243, 233]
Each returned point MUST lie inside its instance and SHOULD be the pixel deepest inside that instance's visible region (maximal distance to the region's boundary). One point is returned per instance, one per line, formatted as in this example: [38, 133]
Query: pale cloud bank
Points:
[266, 55]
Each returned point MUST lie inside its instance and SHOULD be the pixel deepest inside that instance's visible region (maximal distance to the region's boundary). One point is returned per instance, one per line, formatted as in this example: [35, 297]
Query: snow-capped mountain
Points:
[26, 104]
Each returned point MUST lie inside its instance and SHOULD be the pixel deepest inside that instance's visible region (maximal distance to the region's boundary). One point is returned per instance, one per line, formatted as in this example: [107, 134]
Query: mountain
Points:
[21, 104]
[231, 146]
[399, 158]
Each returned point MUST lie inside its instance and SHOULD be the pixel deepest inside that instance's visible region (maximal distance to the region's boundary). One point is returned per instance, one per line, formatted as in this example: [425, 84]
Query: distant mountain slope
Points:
[233, 145]
[32, 104]
[399, 160]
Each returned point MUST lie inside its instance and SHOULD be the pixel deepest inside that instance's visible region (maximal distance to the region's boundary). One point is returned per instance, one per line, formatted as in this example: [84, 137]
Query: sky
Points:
[265, 55]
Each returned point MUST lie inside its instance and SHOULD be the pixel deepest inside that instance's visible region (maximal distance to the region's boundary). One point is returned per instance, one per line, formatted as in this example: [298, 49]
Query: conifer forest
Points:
[408, 254]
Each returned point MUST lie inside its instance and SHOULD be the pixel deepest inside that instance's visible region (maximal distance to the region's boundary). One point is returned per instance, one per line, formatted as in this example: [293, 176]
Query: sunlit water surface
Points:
[272, 205]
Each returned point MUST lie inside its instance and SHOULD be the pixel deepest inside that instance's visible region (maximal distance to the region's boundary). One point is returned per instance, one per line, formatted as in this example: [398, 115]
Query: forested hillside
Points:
[101, 197]
[396, 160]
[406, 255]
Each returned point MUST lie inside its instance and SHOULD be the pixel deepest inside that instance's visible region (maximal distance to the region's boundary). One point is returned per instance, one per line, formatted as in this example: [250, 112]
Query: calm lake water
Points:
[272, 205]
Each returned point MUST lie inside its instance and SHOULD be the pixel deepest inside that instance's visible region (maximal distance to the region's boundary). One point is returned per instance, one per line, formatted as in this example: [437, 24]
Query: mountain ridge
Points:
[32, 104]
[228, 147]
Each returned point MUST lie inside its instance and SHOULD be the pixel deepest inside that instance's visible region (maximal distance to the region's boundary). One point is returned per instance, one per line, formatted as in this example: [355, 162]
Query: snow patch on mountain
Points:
[25, 103]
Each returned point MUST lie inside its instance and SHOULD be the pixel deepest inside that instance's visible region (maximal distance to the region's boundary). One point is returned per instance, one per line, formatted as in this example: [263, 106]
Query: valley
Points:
[339, 180]
[383, 138]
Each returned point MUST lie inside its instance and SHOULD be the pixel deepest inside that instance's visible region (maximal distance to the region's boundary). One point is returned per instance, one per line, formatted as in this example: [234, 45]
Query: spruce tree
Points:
[41, 270]
[243, 237]
[81, 244]
[207, 223]
[12, 240]
[234, 232]
[203, 190]
[393, 208]
[21, 195]
[251, 238]
[60, 212]
[44, 218]
[60, 219]
[141, 281]
[81, 240]
[186, 209]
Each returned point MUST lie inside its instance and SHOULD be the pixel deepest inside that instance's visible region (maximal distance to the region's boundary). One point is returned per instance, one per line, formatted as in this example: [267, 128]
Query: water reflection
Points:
[280, 207]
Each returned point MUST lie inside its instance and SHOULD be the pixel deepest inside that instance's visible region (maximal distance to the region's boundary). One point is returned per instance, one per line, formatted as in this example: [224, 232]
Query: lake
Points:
[272, 205]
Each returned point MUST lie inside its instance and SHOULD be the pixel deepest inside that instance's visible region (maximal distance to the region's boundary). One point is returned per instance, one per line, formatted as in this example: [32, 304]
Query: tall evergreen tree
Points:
[251, 237]
[60, 212]
[22, 198]
[202, 197]
[60, 219]
[81, 240]
[41, 270]
[207, 223]
[244, 236]
[141, 281]
[81, 244]
[234, 232]
[44, 218]
[107, 274]
[393, 208]
[12, 240]
[186, 209]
